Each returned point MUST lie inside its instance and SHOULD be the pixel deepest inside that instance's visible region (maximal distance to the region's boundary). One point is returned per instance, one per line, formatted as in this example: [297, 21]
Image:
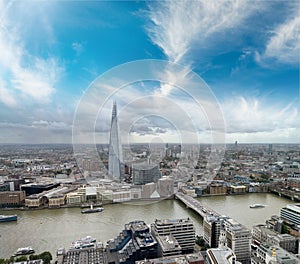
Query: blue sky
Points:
[248, 54]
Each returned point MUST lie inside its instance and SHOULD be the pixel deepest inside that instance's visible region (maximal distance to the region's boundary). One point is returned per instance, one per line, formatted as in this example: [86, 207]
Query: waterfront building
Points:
[12, 199]
[291, 213]
[52, 198]
[145, 173]
[238, 189]
[36, 188]
[182, 229]
[115, 159]
[165, 186]
[216, 188]
[88, 255]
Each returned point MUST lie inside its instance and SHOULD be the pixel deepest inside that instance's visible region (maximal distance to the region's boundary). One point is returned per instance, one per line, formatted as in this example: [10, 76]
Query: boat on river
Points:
[85, 242]
[256, 206]
[8, 218]
[24, 251]
[92, 210]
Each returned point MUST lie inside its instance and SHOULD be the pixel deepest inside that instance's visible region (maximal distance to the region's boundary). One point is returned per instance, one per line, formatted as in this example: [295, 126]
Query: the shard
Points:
[115, 160]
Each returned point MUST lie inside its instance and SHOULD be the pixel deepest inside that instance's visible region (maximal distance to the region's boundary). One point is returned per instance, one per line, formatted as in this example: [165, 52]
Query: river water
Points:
[49, 229]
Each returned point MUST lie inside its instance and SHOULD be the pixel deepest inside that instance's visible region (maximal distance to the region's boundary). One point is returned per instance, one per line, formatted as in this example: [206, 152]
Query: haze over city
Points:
[247, 53]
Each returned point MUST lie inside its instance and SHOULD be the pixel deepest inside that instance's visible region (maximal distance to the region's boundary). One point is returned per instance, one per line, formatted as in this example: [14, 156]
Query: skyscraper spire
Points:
[115, 160]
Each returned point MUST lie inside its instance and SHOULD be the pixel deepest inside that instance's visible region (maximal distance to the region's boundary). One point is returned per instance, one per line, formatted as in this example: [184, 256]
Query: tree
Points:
[33, 257]
[46, 257]
[285, 229]
[22, 258]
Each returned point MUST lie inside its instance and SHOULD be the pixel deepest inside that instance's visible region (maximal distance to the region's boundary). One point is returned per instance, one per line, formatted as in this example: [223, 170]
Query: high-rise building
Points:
[239, 240]
[115, 160]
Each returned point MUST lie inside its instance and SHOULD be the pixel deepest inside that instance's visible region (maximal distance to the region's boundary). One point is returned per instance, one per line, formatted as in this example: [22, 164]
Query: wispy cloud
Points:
[284, 43]
[6, 96]
[252, 115]
[181, 27]
[24, 76]
[178, 26]
[77, 47]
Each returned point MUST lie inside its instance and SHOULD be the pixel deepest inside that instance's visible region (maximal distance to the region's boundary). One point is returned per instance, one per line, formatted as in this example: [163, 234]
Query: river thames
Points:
[50, 229]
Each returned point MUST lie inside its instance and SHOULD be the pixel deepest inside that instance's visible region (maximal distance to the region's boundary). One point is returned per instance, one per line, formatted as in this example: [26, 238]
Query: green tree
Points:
[22, 258]
[285, 229]
[34, 257]
[46, 257]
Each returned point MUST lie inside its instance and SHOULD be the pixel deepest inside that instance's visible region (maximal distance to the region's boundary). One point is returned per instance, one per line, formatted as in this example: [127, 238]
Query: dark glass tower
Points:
[115, 160]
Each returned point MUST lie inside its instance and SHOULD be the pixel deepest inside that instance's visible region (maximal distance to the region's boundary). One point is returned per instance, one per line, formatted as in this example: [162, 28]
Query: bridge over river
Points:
[194, 204]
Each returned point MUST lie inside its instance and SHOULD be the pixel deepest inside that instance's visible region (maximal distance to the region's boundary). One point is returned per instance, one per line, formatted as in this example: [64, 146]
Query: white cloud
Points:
[77, 47]
[284, 44]
[253, 120]
[25, 76]
[178, 25]
[6, 97]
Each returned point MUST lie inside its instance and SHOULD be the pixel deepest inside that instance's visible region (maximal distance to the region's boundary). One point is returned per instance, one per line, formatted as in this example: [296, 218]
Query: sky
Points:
[55, 55]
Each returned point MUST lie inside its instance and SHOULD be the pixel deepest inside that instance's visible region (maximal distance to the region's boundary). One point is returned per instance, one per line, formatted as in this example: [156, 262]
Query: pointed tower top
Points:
[114, 111]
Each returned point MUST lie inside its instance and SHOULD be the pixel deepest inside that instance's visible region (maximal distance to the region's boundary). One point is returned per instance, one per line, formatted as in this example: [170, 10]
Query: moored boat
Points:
[24, 251]
[8, 218]
[92, 210]
[85, 242]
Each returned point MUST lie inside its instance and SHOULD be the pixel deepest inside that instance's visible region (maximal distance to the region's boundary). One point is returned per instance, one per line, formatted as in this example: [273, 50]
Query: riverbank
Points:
[144, 201]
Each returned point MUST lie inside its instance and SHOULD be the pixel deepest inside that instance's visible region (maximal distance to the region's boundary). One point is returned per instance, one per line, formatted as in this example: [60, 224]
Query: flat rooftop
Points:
[172, 221]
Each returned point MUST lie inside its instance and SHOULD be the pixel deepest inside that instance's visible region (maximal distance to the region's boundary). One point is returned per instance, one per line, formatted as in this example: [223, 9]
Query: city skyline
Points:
[247, 54]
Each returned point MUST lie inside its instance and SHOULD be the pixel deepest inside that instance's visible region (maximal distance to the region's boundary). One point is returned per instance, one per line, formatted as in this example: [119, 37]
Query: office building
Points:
[134, 243]
[211, 230]
[115, 159]
[291, 213]
[221, 256]
[145, 173]
[239, 240]
[182, 229]
[168, 246]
